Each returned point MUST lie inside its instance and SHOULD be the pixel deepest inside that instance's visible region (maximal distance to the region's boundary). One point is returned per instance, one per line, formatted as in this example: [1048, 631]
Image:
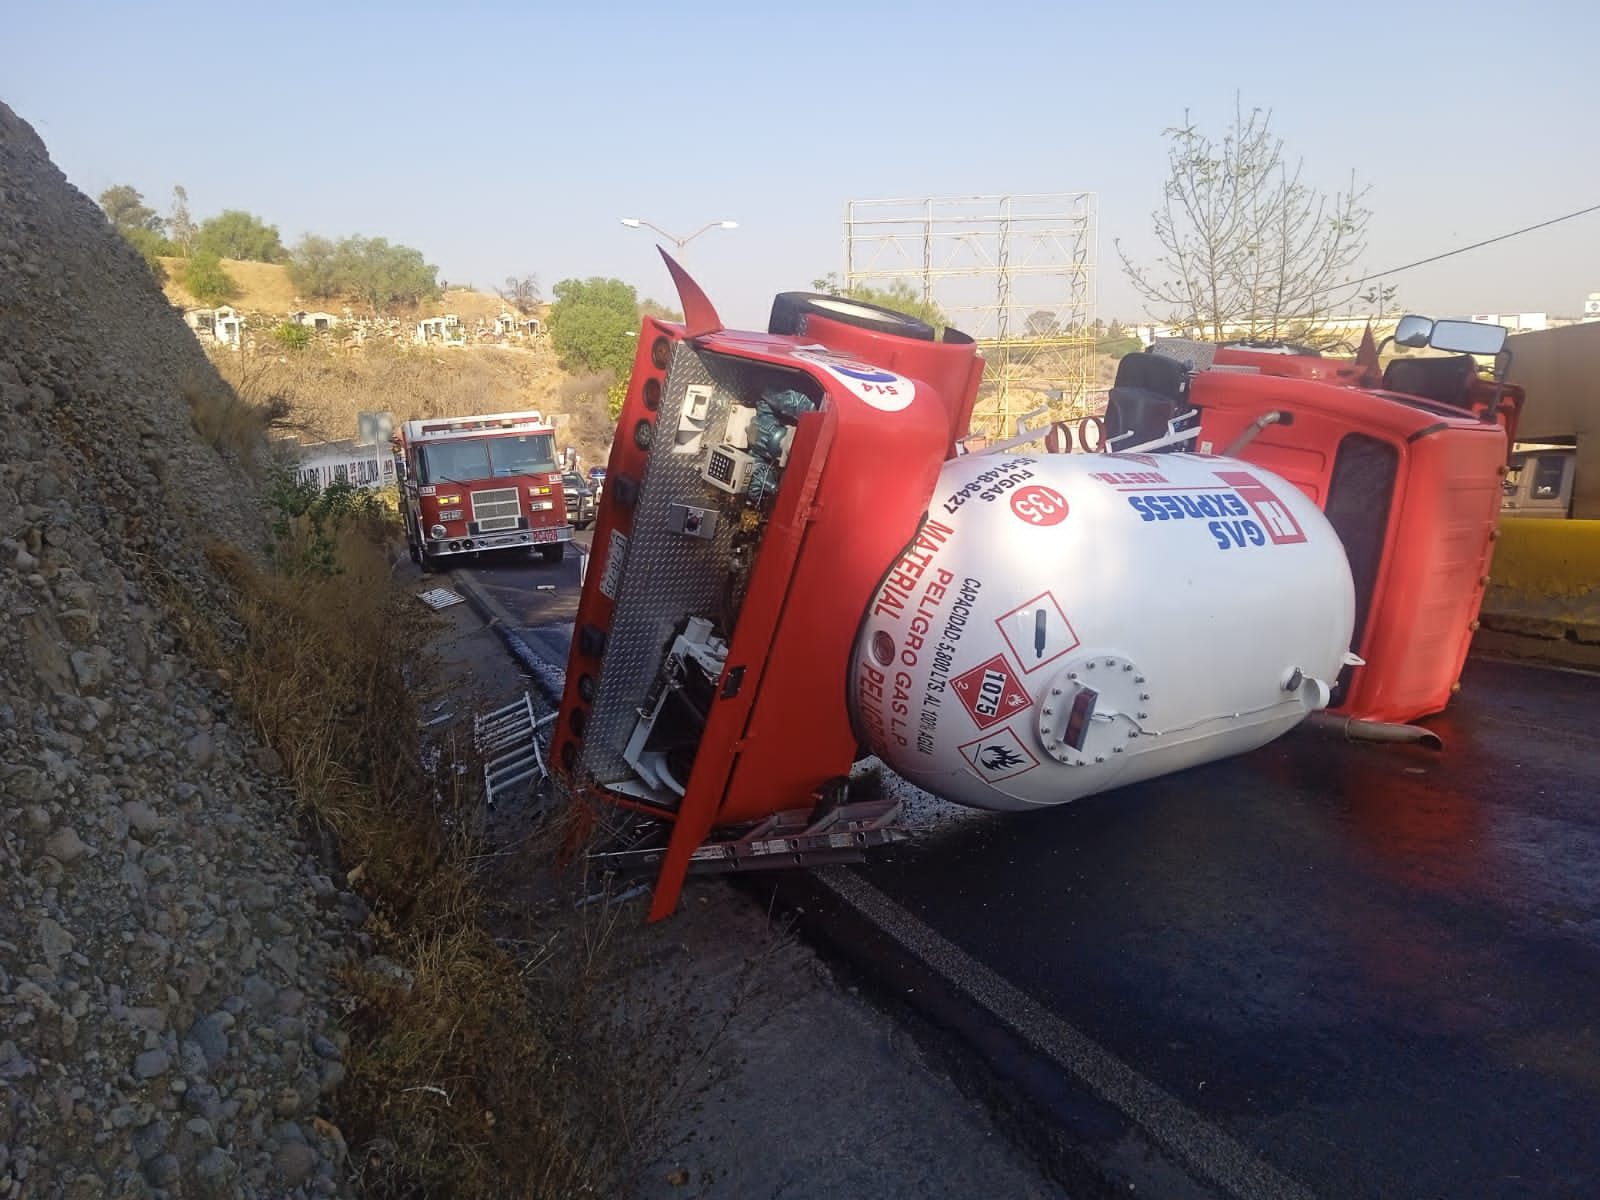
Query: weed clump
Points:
[228, 422]
[493, 1050]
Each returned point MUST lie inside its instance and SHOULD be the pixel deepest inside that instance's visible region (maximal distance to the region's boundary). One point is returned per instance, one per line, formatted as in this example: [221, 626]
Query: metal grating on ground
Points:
[508, 739]
[437, 598]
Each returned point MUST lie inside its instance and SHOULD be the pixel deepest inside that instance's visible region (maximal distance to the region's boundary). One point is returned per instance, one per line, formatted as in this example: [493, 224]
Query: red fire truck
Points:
[471, 484]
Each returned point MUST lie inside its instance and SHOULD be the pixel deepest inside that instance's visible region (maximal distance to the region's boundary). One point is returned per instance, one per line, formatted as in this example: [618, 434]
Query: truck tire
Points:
[790, 309]
[554, 552]
[428, 562]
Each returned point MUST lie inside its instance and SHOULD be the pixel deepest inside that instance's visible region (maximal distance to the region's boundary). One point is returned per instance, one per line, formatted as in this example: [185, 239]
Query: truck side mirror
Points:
[1468, 337]
[1413, 331]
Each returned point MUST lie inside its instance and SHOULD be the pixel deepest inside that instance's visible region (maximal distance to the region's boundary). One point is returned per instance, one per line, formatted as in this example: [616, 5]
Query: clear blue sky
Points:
[507, 137]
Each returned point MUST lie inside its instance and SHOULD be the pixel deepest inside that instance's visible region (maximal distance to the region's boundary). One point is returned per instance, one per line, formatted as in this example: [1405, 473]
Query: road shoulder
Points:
[806, 1089]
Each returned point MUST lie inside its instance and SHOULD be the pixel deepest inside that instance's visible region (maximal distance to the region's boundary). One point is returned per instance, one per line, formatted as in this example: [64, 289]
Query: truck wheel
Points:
[790, 309]
[428, 562]
[554, 552]
[411, 549]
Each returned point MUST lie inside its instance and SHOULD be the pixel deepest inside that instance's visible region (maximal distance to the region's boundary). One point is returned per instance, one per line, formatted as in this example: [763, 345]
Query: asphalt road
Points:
[544, 617]
[1362, 971]
[1377, 968]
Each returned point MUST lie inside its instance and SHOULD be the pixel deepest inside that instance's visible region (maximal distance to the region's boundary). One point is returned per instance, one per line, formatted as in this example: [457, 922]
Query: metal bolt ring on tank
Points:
[1090, 710]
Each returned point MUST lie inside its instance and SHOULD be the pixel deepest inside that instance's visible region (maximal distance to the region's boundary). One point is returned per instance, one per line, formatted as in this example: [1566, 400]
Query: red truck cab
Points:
[1406, 464]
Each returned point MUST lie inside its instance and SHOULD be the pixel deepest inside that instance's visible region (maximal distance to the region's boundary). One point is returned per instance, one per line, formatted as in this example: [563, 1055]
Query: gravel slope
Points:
[166, 939]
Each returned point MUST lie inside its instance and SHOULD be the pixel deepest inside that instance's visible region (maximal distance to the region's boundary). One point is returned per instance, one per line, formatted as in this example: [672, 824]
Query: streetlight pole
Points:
[679, 242]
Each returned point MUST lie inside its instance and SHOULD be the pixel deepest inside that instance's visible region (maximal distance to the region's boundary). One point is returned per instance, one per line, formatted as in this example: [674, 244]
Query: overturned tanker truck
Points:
[797, 564]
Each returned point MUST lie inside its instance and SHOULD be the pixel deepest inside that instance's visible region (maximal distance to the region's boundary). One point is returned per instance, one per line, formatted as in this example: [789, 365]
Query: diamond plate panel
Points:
[1197, 356]
[666, 575]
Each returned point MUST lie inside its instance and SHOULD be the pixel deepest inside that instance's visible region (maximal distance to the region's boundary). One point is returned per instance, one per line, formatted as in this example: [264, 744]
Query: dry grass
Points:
[267, 288]
[264, 287]
[229, 422]
[467, 303]
[507, 1055]
[325, 387]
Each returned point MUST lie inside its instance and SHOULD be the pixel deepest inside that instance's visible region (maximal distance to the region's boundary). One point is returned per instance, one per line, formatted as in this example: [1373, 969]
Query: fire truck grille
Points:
[496, 510]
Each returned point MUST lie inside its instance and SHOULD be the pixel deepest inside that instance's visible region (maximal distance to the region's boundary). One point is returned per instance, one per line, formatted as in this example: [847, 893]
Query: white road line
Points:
[1199, 1145]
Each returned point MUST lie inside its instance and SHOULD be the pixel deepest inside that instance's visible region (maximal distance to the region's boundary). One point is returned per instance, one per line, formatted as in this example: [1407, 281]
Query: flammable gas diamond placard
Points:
[990, 692]
[999, 755]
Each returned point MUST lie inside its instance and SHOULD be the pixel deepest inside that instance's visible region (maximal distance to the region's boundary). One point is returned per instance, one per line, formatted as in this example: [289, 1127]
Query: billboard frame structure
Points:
[1016, 272]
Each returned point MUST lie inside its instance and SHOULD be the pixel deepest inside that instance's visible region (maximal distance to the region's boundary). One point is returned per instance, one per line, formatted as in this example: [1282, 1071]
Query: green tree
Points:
[235, 233]
[125, 208]
[384, 274]
[314, 267]
[1042, 323]
[654, 308]
[370, 268]
[292, 336]
[589, 326]
[1247, 245]
[206, 278]
[152, 247]
[898, 296]
[139, 224]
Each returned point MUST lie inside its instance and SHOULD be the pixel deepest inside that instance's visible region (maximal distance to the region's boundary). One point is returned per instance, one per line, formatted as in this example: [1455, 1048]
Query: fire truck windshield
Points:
[466, 459]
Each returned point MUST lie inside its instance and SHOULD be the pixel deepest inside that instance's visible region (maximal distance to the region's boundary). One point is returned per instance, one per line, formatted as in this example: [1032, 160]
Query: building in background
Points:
[1520, 322]
[445, 331]
[222, 325]
[326, 463]
[1560, 370]
[364, 461]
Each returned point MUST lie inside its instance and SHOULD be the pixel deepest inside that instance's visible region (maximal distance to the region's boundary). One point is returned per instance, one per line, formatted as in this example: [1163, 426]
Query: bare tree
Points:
[1247, 245]
[521, 292]
[181, 228]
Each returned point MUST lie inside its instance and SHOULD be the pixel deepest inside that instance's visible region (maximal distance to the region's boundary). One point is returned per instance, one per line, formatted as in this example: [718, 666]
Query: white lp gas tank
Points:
[1064, 624]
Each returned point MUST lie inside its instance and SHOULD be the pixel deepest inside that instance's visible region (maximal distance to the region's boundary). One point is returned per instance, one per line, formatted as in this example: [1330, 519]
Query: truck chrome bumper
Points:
[511, 539]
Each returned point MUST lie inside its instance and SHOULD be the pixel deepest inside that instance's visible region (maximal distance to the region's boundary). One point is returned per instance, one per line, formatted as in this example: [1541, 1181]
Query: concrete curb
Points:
[537, 665]
[1555, 628]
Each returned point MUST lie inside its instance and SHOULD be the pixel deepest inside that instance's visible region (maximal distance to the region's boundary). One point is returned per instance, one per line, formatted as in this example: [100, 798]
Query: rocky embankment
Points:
[167, 941]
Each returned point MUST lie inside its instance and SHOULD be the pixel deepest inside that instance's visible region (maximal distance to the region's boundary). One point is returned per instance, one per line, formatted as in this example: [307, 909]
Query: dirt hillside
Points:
[327, 386]
[165, 939]
[267, 288]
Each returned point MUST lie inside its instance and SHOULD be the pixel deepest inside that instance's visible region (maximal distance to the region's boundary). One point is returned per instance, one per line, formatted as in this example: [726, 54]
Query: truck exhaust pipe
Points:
[1354, 730]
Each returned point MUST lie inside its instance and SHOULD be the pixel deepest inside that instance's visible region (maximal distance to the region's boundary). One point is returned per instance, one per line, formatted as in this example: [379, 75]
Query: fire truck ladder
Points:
[795, 838]
[508, 740]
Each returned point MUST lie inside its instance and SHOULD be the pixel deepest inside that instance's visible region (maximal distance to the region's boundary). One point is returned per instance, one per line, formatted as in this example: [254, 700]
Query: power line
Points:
[1422, 262]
